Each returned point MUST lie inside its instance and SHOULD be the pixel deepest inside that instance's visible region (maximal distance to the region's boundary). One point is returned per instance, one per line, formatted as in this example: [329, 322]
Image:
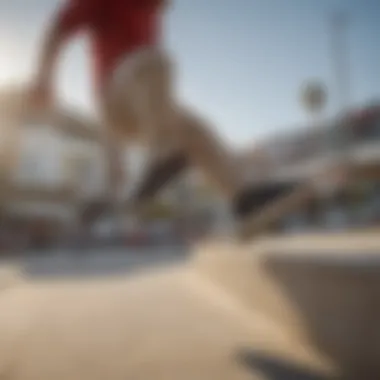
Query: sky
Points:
[241, 63]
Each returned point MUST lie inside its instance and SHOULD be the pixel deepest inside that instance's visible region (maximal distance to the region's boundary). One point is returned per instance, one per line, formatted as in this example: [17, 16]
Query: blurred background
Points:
[291, 87]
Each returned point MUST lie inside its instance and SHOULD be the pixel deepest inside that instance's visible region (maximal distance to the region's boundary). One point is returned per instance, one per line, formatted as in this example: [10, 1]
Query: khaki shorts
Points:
[138, 103]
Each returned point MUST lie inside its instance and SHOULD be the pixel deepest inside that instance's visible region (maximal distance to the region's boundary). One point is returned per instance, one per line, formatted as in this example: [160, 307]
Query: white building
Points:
[49, 163]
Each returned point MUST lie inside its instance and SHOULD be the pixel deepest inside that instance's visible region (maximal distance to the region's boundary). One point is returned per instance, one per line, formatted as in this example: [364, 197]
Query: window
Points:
[40, 159]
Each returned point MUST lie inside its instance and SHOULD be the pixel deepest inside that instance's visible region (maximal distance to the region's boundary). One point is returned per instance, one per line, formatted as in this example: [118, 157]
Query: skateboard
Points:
[261, 221]
[332, 181]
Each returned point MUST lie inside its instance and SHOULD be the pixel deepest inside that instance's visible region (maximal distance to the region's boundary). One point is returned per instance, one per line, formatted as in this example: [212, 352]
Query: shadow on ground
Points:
[273, 368]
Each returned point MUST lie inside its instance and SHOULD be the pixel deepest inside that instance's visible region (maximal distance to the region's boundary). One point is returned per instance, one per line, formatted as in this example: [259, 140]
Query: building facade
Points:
[49, 164]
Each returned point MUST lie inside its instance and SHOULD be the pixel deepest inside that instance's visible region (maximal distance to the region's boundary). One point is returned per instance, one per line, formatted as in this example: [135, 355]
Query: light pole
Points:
[339, 24]
[340, 58]
[341, 72]
[314, 99]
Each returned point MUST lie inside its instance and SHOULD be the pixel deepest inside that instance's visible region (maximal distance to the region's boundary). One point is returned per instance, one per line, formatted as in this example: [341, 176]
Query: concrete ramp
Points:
[10, 276]
[293, 308]
[167, 325]
[322, 290]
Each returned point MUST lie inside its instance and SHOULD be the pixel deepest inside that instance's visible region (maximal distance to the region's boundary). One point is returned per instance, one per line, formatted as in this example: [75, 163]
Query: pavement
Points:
[321, 289]
[167, 324]
[214, 316]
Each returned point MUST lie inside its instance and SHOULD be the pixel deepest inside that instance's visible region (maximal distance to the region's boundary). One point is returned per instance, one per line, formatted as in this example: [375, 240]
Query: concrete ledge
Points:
[9, 276]
[240, 271]
[162, 325]
[323, 289]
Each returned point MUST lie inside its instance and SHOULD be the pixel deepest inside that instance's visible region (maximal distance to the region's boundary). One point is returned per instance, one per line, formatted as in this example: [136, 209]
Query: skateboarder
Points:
[135, 89]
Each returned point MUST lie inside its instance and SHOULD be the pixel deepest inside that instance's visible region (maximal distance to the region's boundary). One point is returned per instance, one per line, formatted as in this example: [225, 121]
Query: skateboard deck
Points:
[272, 213]
[258, 223]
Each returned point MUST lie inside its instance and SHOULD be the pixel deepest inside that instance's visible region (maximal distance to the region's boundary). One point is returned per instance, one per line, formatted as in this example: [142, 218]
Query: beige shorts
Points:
[138, 102]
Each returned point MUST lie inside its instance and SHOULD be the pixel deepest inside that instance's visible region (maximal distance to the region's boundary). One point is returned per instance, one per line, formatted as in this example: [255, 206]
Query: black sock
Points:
[254, 197]
[160, 174]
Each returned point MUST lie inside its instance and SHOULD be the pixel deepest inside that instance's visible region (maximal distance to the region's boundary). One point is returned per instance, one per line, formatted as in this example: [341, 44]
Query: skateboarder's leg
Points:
[202, 148]
[158, 174]
[196, 146]
[158, 121]
[221, 166]
[131, 104]
[142, 91]
[178, 138]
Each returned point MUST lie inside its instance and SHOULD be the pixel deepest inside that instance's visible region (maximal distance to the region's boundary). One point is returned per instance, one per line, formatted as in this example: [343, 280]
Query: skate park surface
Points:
[292, 307]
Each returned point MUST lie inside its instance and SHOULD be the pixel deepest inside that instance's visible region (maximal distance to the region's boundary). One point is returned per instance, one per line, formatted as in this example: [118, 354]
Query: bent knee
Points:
[146, 64]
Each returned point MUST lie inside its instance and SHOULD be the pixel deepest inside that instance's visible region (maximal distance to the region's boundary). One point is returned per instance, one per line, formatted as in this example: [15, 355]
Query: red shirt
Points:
[116, 27]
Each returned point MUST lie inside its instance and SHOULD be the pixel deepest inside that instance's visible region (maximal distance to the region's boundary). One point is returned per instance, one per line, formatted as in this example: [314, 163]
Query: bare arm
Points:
[72, 17]
[51, 48]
